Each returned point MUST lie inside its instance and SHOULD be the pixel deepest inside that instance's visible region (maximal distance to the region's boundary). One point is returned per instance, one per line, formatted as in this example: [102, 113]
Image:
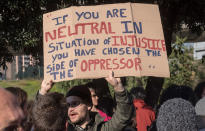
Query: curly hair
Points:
[50, 112]
[175, 91]
[177, 115]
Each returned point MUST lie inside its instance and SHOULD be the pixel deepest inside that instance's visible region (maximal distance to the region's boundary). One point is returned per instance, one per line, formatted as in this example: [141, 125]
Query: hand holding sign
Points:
[46, 85]
[115, 82]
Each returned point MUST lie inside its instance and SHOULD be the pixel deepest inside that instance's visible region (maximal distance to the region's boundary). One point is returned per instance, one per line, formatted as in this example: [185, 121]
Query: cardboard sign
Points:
[89, 41]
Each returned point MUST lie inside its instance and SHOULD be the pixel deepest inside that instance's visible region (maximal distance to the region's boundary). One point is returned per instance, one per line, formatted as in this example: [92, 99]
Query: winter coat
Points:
[144, 115]
[119, 119]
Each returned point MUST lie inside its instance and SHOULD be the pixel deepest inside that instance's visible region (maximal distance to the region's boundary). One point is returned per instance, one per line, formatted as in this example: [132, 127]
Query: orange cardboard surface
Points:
[89, 41]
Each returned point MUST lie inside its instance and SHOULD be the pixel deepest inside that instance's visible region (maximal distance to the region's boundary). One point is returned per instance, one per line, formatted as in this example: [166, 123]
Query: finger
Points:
[111, 74]
[52, 83]
[118, 80]
[43, 83]
[48, 82]
[106, 78]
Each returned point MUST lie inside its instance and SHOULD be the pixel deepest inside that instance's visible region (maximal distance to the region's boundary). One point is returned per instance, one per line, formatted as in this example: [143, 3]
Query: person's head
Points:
[94, 96]
[200, 107]
[105, 100]
[138, 93]
[200, 90]
[49, 112]
[176, 115]
[21, 96]
[175, 91]
[101, 87]
[200, 112]
[11, 113]
[29, 118]
[79, 104]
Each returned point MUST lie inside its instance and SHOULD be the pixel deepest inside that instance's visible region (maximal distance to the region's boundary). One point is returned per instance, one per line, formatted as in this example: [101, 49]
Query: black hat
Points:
[81, 91]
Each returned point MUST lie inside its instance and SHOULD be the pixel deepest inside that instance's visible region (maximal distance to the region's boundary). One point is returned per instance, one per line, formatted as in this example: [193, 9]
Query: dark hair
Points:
[20, 94]
[101, 87]
[105, 101]
[29, 118]
[138, 93]
[199, 89]
[175, 91]
[50, 112]
[90, 85]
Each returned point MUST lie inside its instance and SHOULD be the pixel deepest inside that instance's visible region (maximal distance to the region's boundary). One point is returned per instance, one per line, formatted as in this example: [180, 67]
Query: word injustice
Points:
[133, 41]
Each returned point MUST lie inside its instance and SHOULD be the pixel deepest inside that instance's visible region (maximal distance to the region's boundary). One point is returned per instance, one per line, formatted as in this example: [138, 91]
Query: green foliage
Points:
[65, 85]
[30, 86]
[181, 64]
[136, 82]
[130, 82]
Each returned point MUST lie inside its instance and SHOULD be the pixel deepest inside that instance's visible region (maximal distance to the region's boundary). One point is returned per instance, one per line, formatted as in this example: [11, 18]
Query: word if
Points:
[91, 15]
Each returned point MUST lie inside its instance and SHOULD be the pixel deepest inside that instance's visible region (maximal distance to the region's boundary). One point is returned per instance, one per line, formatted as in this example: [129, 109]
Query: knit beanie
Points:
[200, 107]
[176, 115]
[81, 91]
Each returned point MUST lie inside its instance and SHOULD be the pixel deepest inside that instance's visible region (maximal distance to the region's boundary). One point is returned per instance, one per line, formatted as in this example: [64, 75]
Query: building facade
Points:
[198, 49]
[18, 65]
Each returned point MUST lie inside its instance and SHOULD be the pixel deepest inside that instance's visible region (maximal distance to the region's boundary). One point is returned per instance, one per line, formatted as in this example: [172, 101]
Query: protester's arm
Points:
[115, 82]
[124, 109]
[46, 86]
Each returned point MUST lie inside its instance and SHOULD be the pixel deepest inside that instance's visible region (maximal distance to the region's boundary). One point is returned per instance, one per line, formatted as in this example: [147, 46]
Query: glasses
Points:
[73, 104]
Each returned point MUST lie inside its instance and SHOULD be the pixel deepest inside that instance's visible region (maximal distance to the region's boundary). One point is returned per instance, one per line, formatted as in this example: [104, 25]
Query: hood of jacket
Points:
[138, 103]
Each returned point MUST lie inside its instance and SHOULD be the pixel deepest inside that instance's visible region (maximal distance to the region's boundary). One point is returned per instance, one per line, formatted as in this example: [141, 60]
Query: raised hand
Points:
[46, 85]
[115, 82]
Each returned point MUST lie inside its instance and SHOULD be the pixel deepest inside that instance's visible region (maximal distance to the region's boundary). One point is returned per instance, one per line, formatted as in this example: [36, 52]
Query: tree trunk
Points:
[153, 89]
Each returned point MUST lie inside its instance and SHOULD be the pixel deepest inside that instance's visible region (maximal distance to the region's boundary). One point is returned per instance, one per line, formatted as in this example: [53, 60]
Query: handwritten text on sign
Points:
[86, 42]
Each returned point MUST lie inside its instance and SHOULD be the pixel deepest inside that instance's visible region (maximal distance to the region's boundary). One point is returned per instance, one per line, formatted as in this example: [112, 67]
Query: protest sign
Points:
[89, 41]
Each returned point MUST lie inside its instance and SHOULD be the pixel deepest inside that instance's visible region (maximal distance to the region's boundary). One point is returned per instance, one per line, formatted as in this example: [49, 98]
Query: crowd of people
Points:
[90, 107]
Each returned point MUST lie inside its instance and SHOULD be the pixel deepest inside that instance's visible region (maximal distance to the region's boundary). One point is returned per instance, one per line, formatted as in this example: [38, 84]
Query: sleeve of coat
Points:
[122, 115]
